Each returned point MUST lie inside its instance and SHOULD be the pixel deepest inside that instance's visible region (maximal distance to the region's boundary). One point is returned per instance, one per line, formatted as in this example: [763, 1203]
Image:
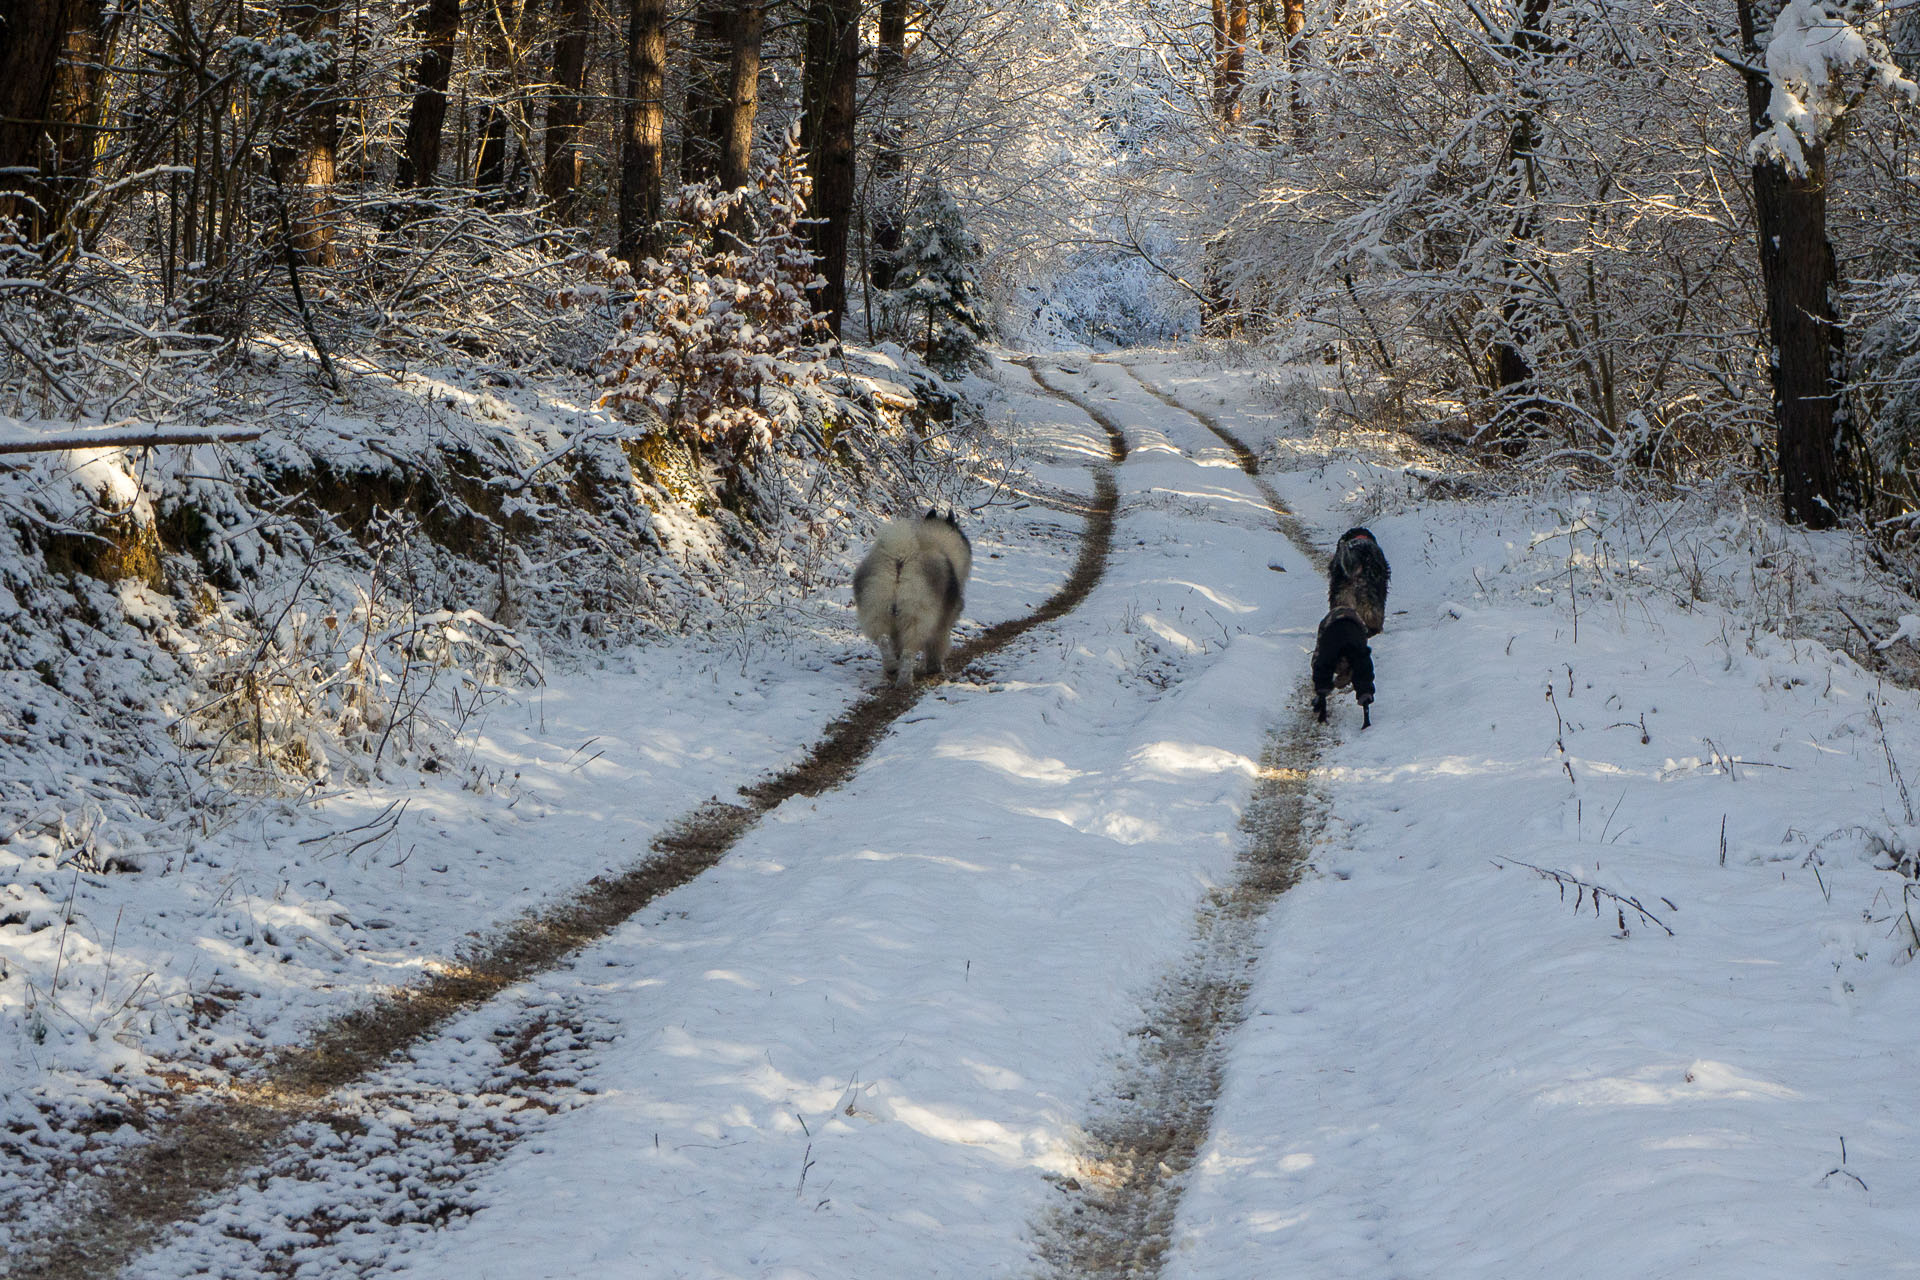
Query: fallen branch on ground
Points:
[1582, 888]
[128, 440]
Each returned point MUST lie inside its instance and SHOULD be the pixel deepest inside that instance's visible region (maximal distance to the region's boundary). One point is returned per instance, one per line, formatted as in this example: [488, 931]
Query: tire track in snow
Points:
[1143, 1137]
[1288, 523]
[195, 1154]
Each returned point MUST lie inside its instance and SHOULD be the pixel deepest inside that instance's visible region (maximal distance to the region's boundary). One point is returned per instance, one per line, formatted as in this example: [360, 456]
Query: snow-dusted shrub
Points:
[80, 338]
[1887, 362]
[714, 339]
[348, 668]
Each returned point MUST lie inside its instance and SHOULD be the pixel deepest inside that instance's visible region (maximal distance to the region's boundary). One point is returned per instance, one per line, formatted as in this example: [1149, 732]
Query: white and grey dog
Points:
[909, 590]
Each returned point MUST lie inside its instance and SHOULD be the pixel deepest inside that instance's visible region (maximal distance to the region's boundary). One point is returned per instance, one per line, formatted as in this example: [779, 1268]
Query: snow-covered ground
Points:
[1454, 1066]
[864, 1043]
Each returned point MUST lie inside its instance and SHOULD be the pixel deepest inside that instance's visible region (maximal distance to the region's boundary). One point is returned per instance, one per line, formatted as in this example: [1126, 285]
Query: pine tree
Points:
[936, 281]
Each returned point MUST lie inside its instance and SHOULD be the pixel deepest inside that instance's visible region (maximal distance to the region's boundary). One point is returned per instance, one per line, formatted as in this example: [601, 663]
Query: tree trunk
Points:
[1218, 318]
[35, 31]
[310, 163]
[1818, 479]
[828, 86]
[500, 18]
[1229, 19]
[439, 24]
[888, 180]
[1294, 27]
[1809, 346]
[743, 93]
[1233, 64]
[1519, 413]
[76, 107]
[709, 80]
[1217, 65]
[643, 137]
[566, 108]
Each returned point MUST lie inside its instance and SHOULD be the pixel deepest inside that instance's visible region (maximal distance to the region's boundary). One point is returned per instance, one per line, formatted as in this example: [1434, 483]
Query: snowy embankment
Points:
[863, 1044]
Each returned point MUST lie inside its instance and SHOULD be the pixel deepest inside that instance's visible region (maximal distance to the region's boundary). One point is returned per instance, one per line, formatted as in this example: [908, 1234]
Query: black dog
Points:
[1357, 579]
[1341, 657]
[1356, 609]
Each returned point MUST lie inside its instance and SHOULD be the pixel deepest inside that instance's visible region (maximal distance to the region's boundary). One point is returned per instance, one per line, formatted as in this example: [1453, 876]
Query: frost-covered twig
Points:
[1582, 888]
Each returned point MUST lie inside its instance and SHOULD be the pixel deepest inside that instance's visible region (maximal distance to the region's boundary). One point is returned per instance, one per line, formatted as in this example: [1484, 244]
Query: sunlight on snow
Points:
[1125, 828]
[1010, 760]
[991, 1076]
[1035, 1147]
[874, 855]
[1186, 759]
[1203, 497]
[1109, 824]
[1178, 639]
[1213, 596]
[1701, 1082]
[1719, 1140]
[1444, 767]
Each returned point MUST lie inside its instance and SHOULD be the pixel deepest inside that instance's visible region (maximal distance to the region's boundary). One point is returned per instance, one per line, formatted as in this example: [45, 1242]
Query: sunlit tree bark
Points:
[643, 137]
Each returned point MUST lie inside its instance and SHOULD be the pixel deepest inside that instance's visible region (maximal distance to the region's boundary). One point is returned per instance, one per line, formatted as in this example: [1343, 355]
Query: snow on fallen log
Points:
[15, 438]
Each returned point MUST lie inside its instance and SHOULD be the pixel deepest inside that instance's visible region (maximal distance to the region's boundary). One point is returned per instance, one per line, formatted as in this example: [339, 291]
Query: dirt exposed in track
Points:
[201, 1150]
[1142, 1138]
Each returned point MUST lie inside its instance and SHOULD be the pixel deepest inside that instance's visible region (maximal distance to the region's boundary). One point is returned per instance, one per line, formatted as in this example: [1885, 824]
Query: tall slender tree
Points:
[888, 179]
[709, 63]
[1519, 408]
[499, 40]
[1818, 480]
[34, 31]
[743, 93]
[438, 22]
[643, 134]
[77, 104]
[566, 104]
[305, 165]
[829, 84]
[1233, 60]
[1294, 30]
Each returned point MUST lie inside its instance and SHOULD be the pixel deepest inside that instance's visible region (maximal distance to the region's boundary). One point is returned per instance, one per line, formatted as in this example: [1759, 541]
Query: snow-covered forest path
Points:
[1589, 967]
[1006, 839]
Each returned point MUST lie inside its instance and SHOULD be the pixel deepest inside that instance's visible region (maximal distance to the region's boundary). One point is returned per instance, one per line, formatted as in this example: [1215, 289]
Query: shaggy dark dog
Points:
[1341, 658]
[1357, 579]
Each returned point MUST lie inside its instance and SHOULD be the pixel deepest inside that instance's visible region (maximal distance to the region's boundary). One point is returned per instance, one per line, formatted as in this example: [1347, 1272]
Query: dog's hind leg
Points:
[896, 657]
[946, 584]
[1362, 664]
